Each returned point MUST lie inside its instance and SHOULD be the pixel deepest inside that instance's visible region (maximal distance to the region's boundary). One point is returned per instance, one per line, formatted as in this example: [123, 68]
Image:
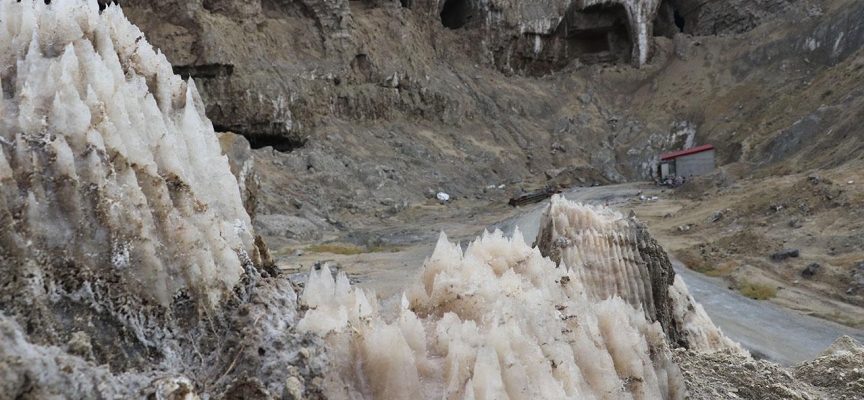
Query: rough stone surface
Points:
[839, 370]
[242, 164]
[729, 376]
[734, 16]
[810, 271]
[328, 83]
[784, 254]
[641, 274]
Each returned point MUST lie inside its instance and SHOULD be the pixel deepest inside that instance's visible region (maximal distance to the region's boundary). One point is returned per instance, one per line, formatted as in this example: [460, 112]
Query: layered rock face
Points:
[502, 320]
[616, 257]
[125, 237]
[701, 18]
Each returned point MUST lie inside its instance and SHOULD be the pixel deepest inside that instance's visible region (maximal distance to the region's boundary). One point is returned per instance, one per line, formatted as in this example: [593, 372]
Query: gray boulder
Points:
[784, 254]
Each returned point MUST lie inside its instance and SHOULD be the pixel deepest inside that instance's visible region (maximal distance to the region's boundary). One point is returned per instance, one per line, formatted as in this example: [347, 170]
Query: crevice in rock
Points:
[204, 71]
[679, 21]
[279, 143]
[670, 19]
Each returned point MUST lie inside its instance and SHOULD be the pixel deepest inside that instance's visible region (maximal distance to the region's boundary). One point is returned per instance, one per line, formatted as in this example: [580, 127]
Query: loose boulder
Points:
[784, 254]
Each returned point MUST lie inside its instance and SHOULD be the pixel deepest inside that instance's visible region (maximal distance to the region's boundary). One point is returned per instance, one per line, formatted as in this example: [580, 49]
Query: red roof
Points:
[687, 152]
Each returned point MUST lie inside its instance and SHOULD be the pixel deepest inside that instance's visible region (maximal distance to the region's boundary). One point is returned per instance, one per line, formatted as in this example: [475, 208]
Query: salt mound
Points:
[497, 321]
[839, 369]
[126, 255]
[108, 164]
[615, 256]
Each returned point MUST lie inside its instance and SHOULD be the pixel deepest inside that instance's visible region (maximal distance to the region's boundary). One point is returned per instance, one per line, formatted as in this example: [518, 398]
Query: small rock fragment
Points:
[810, 270]
[784, 254]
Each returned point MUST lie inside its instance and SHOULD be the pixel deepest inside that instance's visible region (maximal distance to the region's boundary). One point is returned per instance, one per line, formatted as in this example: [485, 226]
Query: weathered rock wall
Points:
[702, 18]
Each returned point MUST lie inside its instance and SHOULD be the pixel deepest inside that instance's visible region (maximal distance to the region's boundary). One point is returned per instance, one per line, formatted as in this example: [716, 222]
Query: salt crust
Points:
[107, 158]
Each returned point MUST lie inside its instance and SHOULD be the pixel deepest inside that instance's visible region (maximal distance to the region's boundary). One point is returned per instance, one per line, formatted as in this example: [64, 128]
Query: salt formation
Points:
[615, 256]
[125, 242]
[497, 321]
[108, 161]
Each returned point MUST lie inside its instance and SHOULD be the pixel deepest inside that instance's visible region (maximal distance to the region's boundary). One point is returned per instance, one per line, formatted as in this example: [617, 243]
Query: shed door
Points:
[664, 170]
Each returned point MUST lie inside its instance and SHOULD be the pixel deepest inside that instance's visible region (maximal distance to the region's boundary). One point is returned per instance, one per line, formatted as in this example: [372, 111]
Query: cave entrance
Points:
[279, 143]
[456, 13]
[405, 4]
[590, 41]
[597, 34]
[679, 21]
[258, 140]
[670, 19]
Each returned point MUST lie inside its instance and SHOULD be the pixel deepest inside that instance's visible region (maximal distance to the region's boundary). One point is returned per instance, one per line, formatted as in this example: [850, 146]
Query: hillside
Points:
[367, 101]
[372, 107]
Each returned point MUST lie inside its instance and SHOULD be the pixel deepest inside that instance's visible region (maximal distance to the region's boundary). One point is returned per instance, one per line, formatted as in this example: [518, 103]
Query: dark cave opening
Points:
[597, 34]
[670, 19]
[257, 140]
[456, 13]
[279, 143]
[405, 4]
[203, 71]
[590, 42]
[679, 21]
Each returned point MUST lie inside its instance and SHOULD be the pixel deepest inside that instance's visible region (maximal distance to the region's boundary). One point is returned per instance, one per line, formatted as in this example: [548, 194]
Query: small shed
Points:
[687, 163]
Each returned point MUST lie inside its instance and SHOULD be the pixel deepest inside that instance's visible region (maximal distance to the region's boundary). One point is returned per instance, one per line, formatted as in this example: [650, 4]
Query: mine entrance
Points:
[456, 13]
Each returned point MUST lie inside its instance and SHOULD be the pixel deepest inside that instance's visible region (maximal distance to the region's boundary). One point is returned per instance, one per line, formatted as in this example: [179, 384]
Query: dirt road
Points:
[767, 330]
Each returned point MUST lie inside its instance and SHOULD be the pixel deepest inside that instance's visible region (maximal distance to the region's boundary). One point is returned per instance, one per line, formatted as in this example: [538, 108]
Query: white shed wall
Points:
[695, 164]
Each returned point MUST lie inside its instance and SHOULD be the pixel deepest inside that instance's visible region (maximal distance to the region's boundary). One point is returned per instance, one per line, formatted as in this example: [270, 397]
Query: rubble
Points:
[784, 254]
[810, 271]
[839, 370]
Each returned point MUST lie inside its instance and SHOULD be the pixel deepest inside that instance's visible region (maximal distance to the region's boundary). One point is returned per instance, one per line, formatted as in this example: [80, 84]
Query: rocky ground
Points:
[748, 231]
[835, 374]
